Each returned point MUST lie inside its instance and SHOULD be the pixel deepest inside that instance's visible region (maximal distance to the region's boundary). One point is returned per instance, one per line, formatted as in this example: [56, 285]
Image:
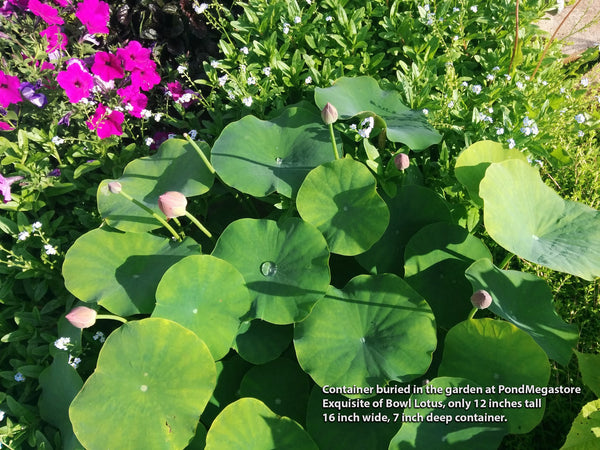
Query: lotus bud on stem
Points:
[401, 161]
[116, 188]
[480, 300]
[173, 204]
[330, 115]
[200, 153]
[83, 317]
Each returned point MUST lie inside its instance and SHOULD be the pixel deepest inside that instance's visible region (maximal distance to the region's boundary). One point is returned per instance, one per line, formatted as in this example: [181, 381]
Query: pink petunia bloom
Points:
[76, 82]
[57, 40]
[62, 3]
[5, 126]
[107, 66]
[46, 12]
[146, 77]
[135, 101]
[134, 55]
[47, 66]
[9, 90]
[106, 122]
[94, 14]
[5, 186]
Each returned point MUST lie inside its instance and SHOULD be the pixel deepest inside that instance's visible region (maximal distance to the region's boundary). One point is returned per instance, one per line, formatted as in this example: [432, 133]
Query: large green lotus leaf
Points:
[206, 295]
[152, 382]
[259, 342]
[284, 265]
[375, 330]
[528, 218]
[585, 431]
[281, 385]
[449, 433]
[248, 424]
[341, 200]
[121, 271]
[340, 434]
[362, 96]
[473, 161]
[496, 353]
[436, 258]
[526, 301]
[589, 366]
[175, 167]
[259, 157]
[411, 209]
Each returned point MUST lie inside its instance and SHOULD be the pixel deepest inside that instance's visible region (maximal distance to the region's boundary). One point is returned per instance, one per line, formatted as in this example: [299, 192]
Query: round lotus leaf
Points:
[341, 200]
[585, 431]
[496, 353]
[526, 217]
[152, 382]
[338, 434]
[120, 271]
[206, 295]
[526, 301]
[374, 330]
[281, 385]
[248, 424]
[411, 209]
[176, 166]
[353, 96]
[436, 258]
[589, 366]
[259, 342]
[473, 161]
[449, 431]
[284, 265]
[260, 157]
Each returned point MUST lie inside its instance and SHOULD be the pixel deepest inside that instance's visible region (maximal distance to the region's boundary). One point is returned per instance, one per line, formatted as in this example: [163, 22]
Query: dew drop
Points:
[143, 388]
[362, 340]
[268, 268]
[278, 161]
[195, 310]
[345, 208]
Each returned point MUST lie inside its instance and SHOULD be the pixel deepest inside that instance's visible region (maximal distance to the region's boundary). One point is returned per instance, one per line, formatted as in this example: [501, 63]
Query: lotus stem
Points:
[111, 317]
[200, 153]
[199, 225]
[472, 313]
[335, 150]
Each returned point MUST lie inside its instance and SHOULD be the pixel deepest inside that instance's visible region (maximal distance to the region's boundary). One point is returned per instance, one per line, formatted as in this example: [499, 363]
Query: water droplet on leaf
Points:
[143, 388]
[278, 161]
[195, 310]
[268, 268]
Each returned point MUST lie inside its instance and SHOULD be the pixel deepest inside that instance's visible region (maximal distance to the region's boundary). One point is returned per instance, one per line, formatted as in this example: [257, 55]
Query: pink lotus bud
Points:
[114, 187]
[481, 299]
[82, 317]
[329, 114]
[402, 161]
[172, 204]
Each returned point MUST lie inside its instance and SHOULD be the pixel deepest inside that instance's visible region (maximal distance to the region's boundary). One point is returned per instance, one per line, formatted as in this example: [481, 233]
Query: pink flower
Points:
[107, 66]
[5, 186]
[94, 14]
[134, 99]
[134, 55]
[63, 3]
[9, 90]
[82, 317]
[46, 12]
[146, 77]
[56, 39]
[172, 204]
[47, 66]
[5, 126]
[75, 81]
[106, 122]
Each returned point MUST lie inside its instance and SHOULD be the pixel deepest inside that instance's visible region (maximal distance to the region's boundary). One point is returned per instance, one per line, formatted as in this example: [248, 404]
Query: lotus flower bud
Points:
[329, 114]
[402, 161]
[481, 299]
[82, 317]
[172, 204]
[114, 187]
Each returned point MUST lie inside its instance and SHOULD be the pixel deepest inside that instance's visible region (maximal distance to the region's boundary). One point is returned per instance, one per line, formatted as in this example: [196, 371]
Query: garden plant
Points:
[218, 216]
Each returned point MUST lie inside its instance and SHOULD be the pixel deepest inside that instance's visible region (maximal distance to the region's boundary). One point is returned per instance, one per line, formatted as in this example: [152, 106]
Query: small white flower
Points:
[266, 71]
[511, 143]
[200, 8]
[308, 80]
[425, 111]
[193, 134]
[534, 129]
[247, 101]
[527, 121]
[251, 80]
[366, 127]
[243, 68]
[309, 1]
[244, 50]
[476, 89]
[520, 85]
[297, 19]
[149, 141]
[50, 250]
[526, 130]
[544, 83]
[286, 28]
[99, 336]
[157, 117]
[508, 77]
[580, 118]
[455, 38]
[499, 131]
[185, 98]
[23, 235]
[562, 90]
[171, 135]
[181, 69]
[329, 19]
[585, 82]
[580, 133]
[495, 69]
[465, 84]
[36, 226]
[74, 362]
[62, 343]
[145, 114]
[451, 104]
[455, 9]
[230, 95]
[223, 80]
[214, 63]
[527, 78]
[473, 8]
[490, 77]
[426, 7]
[19, 377]
[2, 414]
[57, 140]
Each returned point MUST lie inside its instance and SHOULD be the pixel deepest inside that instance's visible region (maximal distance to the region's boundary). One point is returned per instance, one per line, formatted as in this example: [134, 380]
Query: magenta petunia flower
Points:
[106, 122]
[57, 40]
[107, 66]
[134, 100]
[5, 186]
[5, 126]
[134, 55]
[46, 12]
[9, 90]
[76, 82]
[94, 14]
[146, 77]
[63, 3]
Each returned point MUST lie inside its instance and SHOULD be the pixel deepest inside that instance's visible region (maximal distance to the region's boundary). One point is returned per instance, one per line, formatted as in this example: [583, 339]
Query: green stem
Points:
[201, 153]
[472, 314]
[335, 150]
[111, 317]
[198, 224]
[152, 213]
[506, 261]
